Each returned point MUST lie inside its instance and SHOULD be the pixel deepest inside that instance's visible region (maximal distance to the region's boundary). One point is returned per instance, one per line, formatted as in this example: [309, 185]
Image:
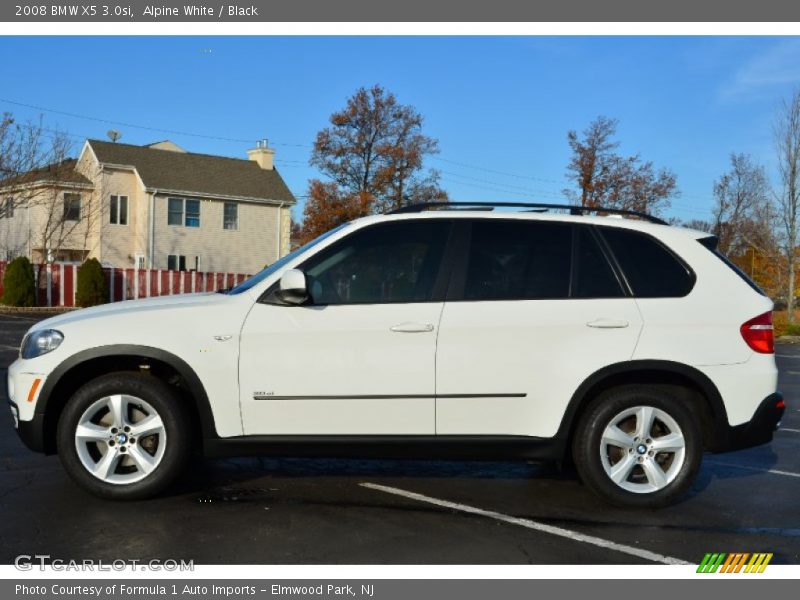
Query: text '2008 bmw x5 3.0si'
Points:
[622, 344]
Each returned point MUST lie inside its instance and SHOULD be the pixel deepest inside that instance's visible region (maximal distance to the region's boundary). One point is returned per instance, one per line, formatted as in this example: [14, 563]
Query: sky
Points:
[500, 107]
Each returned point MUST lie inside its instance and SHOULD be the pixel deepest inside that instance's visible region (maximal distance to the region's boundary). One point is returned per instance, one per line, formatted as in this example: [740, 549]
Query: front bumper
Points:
[24, 387]
[24, 383]
[756, 431]
[30, 432]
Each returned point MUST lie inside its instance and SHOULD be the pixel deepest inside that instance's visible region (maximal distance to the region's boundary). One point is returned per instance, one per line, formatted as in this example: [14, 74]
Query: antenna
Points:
[113, 135]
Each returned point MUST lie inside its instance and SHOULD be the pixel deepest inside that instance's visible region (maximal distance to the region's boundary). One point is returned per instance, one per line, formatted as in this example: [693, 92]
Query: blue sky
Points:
[500, 106]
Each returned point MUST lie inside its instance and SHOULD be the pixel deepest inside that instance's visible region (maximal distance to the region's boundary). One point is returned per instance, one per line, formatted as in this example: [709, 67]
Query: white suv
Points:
[621, 344]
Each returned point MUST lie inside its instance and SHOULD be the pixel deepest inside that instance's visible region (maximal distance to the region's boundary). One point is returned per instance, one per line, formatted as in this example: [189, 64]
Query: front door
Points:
[359, 357]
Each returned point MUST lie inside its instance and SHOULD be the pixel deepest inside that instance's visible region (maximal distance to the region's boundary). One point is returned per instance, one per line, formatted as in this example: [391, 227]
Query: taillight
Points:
[758, 333]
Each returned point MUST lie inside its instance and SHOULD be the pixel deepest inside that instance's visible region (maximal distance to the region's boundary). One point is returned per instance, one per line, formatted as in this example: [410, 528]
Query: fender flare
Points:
[709, 390]
[188, 374]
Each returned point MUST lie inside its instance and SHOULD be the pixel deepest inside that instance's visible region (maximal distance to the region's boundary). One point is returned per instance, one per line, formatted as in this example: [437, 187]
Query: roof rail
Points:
[573, 210]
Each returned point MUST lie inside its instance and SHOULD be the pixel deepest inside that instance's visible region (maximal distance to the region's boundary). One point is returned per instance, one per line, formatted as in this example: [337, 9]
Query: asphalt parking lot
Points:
[255, 511]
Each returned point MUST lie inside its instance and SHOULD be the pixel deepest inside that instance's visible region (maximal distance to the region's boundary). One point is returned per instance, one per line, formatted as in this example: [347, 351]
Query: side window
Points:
[192, 213]
[395, 262]
[512, 260]
[184, 212]
[230, 216]
[176, 262]
[118, 210]
[594, 277]
[175, 211]
[72, 207]
[651, 270]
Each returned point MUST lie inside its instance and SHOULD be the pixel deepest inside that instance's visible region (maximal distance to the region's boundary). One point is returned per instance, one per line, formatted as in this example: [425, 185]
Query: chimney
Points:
[263, 155]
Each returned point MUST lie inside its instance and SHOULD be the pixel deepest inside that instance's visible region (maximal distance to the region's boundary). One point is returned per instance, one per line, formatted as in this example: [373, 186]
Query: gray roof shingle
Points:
[57, 173]
[201, 174]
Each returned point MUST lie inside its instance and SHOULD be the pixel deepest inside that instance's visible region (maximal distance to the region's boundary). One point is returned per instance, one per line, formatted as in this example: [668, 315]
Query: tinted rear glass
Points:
[594, 277]
[518, 261]
[651, 269]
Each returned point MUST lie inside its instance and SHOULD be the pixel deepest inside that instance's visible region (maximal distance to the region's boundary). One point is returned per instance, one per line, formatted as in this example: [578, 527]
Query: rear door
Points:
[534, 309]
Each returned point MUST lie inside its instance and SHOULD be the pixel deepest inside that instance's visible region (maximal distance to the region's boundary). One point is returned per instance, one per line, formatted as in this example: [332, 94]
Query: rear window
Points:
[710, 242]
[517, 260]
[594, 277]
[652, 270]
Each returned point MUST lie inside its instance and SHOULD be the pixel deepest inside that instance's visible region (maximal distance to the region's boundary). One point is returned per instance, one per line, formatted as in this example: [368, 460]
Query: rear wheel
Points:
[123, 436]
[638, 446]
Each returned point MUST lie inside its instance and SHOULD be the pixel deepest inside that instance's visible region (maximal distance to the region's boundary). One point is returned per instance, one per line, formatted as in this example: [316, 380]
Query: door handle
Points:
[608, 323]
[412, 328]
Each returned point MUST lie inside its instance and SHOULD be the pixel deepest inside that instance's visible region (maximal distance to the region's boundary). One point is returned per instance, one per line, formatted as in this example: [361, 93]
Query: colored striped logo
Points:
[737, 562]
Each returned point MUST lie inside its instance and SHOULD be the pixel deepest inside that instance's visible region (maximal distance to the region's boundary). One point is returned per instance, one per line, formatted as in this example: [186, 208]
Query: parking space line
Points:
[9, 347]
[529, 524]
[788, 429]
[749, 468]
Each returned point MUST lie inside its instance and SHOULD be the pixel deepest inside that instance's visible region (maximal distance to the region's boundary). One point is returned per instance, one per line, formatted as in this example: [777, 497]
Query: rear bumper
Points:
[757, 431]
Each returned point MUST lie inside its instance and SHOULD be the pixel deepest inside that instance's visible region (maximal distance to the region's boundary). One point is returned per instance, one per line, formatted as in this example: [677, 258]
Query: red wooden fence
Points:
[56, 285]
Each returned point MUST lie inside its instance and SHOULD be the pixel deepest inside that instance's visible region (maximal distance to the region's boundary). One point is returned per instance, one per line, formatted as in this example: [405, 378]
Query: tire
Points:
[97, 436]
[629, 465]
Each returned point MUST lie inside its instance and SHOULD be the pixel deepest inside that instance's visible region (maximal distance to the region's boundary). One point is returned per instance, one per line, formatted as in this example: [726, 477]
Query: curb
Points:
[788, 339]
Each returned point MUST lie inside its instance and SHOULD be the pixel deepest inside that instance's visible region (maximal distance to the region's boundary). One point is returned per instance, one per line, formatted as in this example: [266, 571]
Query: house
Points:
[155, 206]
[42, 208]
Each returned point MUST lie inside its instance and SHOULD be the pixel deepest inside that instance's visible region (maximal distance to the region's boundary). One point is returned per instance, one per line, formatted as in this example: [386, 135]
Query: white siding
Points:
[244, 250]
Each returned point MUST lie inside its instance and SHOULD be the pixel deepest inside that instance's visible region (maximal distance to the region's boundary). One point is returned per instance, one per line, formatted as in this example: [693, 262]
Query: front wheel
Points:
[638, 446]
[123, 436]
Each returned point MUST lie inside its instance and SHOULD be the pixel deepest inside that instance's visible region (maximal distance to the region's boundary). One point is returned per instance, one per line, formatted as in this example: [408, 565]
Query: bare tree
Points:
[39, 191]
[786, 132]
[25, 149]
[741, 205]
[21, 146]
[46, 195]
[592, 160]
[605, 178]
[698, 224]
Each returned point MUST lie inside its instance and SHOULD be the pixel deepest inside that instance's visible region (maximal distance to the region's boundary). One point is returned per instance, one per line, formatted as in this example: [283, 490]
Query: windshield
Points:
[278, 264]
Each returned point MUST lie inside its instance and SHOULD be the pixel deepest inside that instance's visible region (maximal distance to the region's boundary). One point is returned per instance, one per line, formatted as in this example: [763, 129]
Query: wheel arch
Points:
[701, 394]
[68, 376]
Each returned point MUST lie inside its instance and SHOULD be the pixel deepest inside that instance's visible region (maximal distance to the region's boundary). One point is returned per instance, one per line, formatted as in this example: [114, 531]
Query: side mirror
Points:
[292, 288]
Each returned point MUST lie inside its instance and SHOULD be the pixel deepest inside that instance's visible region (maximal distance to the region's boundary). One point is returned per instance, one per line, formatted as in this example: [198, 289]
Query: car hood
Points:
[133, 307]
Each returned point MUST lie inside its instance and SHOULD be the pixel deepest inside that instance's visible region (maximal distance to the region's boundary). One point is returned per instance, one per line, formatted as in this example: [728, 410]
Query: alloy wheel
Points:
[120, 439]
[642, 449]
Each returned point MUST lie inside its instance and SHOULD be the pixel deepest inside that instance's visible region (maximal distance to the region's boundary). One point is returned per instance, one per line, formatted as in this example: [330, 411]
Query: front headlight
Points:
[40, 342]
